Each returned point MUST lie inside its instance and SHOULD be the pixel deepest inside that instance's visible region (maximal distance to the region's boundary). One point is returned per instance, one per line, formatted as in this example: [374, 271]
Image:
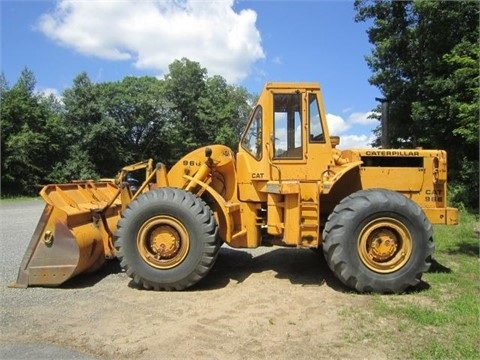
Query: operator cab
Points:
[287, 128]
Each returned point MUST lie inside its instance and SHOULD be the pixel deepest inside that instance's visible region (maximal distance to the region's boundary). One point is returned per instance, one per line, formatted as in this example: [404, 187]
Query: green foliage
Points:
[95, 129]
[425, 61]
[209, 110]
[463, 189]
[136, 114]
[77, 166]
[30, 134]
[222, 112]
[82, 106]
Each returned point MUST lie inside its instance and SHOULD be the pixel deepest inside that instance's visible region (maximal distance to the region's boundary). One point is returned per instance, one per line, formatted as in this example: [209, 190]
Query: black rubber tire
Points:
[198, 222]
[342, 238]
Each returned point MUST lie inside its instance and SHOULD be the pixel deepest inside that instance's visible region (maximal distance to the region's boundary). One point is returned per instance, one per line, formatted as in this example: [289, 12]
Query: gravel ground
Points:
[254, 304]
[17, 222]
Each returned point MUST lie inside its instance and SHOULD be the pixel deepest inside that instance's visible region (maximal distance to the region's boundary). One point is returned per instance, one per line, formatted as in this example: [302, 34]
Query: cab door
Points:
[297, 139]
[287, 146]
[272, 148]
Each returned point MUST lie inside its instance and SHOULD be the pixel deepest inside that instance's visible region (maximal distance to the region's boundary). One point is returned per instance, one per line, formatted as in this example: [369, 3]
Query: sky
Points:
[249, 43]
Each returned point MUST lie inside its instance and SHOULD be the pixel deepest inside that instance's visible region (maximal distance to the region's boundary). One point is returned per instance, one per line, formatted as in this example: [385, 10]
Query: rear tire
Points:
[378, 241]
[167, 239]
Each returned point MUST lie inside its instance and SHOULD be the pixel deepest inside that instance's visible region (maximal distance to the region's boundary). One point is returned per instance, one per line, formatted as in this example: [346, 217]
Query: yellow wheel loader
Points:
[370, 210]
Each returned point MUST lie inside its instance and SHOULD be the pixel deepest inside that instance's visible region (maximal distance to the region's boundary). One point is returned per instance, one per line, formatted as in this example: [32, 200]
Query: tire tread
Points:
[335, 246]
[199, 210]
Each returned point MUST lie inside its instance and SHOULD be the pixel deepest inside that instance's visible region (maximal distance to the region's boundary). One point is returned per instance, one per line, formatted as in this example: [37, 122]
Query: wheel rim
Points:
[163, 242]
[385, 245]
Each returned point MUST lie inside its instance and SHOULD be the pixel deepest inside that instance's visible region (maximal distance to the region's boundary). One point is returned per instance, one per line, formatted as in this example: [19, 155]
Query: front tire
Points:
[378, 241]
[167, 239]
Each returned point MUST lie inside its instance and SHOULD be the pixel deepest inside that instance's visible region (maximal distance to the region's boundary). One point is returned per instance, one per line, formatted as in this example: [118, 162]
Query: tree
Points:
[425, 62]
[222, 112]
[184, 84]
[82, 117]
[31, 137]
[141, 115]
[210, 111]
[95, 129]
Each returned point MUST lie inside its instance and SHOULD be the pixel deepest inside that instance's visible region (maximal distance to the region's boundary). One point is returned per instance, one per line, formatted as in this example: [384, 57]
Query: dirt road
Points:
[267, 303]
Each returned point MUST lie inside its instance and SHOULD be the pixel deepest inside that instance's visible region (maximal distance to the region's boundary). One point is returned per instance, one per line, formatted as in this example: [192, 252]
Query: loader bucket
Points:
[73, 234]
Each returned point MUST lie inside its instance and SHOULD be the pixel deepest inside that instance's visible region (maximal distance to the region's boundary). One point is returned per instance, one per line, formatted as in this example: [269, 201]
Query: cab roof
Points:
[292, 85]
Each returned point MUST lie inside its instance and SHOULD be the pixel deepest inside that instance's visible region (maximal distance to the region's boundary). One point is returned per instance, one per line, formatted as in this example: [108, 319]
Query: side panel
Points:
[398, 179]
[421, 175]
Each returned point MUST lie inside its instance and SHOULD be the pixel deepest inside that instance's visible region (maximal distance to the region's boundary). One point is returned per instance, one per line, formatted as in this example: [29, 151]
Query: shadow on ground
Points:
[300, 266]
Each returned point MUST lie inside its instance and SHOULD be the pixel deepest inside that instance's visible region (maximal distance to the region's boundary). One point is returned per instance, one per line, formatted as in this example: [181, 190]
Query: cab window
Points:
[287, 126]
[314, 121]
[252, 139]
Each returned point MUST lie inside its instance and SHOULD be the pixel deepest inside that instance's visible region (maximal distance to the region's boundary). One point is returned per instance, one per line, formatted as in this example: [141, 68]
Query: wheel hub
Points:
[385, 245]
[163, 242]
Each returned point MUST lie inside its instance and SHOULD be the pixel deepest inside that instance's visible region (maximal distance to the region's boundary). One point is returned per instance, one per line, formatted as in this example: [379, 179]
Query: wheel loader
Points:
[370, 210]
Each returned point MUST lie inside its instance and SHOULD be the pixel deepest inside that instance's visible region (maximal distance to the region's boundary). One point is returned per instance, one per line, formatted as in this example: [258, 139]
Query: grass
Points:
[454, 282]
[5, 199]
[441, 318]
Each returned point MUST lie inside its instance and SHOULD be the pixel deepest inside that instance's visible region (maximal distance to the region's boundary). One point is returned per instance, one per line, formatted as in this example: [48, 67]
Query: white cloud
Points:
[46, 92]
[355, 141]
[152, 34]
[362, 118]
[336, 124]
[49, 91]
[344, 128]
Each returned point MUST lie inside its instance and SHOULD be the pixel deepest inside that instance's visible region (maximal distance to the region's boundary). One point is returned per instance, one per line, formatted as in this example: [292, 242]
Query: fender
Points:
[221, 207]
[331, 176]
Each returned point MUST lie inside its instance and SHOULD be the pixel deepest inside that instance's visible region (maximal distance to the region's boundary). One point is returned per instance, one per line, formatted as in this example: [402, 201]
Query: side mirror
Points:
[335, 140]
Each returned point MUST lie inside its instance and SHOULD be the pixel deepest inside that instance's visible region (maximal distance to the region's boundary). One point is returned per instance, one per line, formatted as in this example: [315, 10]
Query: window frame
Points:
[296, 117]
[259, 134]
[311, 136]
